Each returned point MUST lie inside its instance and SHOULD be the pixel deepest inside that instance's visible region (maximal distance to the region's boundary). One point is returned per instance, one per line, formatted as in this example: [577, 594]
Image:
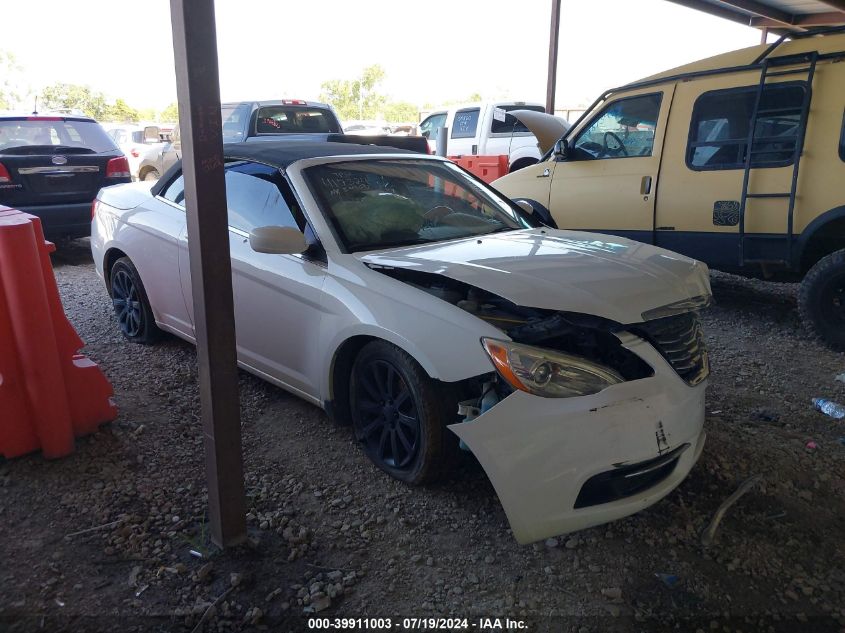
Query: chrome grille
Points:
[680, 341]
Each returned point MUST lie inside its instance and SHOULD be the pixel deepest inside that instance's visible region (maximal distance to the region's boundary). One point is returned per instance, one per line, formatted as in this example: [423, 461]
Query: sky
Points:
[433, 51]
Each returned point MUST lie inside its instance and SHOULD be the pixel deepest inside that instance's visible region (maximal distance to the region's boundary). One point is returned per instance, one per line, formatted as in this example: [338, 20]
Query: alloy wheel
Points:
[127, 303]
[388, 421]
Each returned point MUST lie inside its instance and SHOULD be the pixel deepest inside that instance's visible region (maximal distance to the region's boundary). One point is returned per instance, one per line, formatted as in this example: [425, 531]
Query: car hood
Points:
[589, 273]
[547, 128]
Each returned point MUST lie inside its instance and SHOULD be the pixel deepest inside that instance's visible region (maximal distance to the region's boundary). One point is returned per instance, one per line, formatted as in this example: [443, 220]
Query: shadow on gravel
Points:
[736, 294]
[71, 252]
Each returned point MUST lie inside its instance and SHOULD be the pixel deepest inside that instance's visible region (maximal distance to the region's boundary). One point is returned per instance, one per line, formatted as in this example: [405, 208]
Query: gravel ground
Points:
[329, 534]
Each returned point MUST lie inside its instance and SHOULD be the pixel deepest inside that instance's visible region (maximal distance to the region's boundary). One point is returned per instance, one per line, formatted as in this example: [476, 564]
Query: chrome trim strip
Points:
[668, 457]
[64, 169]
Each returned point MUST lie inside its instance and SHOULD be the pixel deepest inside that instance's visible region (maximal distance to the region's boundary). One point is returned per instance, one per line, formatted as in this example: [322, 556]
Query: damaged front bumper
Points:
[565, 464]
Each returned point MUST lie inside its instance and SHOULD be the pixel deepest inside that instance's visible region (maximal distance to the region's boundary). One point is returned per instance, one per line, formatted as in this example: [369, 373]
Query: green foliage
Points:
[121, 112]
[11, 94]
[147, 114]
[170, 114]
[401, 112]
[62, 96]
[356, 98]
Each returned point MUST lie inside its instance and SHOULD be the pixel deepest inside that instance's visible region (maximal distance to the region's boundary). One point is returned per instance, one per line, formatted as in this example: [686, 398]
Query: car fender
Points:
[444, 339]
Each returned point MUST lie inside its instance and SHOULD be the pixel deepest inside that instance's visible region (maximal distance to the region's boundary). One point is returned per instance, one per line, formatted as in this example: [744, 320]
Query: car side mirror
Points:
[152, 134]
[525, 206]
[277, 240]
[561, 149]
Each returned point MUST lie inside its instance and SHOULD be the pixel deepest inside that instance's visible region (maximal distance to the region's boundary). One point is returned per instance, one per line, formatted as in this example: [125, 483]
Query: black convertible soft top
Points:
[283, 153]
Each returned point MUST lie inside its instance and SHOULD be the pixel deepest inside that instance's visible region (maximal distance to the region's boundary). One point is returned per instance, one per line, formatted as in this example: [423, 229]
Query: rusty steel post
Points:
[198, 92]
[554, 37]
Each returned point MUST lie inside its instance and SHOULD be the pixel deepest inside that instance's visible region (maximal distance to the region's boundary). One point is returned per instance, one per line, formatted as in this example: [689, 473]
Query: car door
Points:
[608, 179]
[704, 164]
[277, 297]
[161, 221]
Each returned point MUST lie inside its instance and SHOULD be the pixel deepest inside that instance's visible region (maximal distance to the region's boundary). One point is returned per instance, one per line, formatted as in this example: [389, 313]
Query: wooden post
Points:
[198, 92]
[764, 35]
[554, 36]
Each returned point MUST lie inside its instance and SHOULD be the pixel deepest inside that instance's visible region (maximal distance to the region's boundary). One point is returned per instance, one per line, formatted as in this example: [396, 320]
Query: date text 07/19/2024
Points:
[418, 624]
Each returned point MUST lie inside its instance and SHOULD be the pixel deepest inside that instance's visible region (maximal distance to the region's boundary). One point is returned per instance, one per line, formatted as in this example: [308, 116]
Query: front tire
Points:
[821, 300]
[131, 306]
[399, 414]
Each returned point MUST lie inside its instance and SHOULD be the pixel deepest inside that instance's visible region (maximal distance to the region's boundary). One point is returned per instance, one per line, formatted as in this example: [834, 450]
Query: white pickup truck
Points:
[485, 129]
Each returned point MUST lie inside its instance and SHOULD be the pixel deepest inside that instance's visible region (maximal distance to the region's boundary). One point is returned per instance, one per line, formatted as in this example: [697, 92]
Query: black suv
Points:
[53, 167]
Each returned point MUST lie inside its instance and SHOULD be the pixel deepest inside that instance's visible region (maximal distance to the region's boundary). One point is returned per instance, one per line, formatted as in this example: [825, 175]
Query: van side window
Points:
[721, 118]
[842, 139]
[465, 123]
[623, 129]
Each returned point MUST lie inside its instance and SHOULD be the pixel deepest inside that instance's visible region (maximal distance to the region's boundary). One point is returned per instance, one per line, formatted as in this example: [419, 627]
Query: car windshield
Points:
[383, 203]
[50, 135]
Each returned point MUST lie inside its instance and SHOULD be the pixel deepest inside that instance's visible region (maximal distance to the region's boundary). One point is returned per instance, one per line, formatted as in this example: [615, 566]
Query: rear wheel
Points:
[151, 174]
[131, 306]
[399, 414]
[821, 300]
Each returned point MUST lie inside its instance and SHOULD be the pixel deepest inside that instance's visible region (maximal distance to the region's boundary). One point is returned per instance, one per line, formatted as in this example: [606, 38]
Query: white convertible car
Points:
[406, 297]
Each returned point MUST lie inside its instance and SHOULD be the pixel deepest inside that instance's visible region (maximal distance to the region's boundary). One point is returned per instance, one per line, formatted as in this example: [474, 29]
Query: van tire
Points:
[821, 300]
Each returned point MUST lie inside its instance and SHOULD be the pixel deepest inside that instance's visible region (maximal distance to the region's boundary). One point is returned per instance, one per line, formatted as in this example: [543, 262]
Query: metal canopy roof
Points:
[775, 15]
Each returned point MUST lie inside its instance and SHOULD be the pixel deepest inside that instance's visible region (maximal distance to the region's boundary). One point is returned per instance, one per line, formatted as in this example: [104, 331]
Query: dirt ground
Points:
[102, 540]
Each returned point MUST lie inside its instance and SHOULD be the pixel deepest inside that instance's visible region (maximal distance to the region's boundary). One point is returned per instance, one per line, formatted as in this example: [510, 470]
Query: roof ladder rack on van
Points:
[807, 68]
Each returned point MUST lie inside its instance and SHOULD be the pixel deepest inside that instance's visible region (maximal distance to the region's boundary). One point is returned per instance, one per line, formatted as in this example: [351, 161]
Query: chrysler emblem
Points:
[59, 160]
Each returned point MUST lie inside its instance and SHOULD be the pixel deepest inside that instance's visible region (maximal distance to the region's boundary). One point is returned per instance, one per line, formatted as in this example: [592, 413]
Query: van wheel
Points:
[151, 175]
[821, 300]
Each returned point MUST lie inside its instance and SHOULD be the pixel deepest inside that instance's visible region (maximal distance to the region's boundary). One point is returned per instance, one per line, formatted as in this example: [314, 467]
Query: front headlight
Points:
[547, 373]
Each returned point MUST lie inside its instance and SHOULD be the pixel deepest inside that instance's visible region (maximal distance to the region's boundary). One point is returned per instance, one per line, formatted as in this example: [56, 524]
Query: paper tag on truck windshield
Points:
[499, 114]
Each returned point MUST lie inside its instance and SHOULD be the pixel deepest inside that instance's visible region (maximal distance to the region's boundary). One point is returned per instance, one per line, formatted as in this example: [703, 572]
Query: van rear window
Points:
[720, 124]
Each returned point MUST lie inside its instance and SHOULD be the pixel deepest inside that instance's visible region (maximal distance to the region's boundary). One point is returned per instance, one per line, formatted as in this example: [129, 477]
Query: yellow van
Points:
[737, 160]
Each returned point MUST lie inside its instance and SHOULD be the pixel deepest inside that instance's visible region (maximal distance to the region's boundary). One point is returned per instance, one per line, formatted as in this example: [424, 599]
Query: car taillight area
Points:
[5, 176]
[118, 168]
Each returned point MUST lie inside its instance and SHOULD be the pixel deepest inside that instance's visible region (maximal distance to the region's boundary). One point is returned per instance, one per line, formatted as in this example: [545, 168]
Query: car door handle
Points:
[645, 186]
[546, 173]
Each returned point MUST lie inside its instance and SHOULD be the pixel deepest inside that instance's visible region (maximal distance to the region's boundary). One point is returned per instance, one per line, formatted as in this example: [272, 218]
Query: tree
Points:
[356, 98]
[11, 93]
[401, 112]
[170, 114]
[122, 112]
[62, 96]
